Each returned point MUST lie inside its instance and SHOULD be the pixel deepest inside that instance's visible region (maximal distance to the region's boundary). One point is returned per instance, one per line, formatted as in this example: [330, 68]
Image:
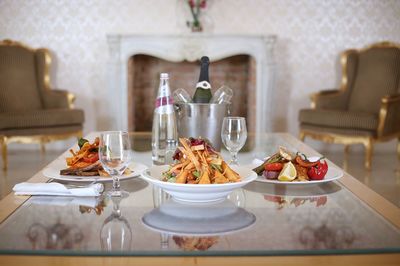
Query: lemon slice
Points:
[288, 172]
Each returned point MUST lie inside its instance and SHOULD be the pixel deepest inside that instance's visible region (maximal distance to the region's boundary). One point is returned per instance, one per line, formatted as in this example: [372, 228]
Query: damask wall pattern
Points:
[311, 34]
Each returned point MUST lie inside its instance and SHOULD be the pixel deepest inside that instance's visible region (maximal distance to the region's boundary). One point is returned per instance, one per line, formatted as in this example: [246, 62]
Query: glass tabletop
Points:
[258, 219]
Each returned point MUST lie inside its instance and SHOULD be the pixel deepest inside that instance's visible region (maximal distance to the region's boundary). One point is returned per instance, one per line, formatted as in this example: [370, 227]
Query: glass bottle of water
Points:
[164, 121]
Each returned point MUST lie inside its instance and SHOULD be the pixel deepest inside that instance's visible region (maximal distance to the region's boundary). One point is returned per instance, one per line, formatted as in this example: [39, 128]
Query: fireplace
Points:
[244, 63]
[237, 72]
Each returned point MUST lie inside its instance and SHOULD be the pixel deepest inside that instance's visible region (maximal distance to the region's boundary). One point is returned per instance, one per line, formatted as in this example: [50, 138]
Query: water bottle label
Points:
[166, 100]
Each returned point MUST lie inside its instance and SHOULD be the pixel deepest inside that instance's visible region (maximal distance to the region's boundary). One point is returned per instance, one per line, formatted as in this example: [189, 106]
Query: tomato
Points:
[318, 171]
[91, 158]
[273, 166]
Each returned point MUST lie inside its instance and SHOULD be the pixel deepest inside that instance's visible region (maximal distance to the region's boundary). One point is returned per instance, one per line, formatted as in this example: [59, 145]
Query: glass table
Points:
[258, 223]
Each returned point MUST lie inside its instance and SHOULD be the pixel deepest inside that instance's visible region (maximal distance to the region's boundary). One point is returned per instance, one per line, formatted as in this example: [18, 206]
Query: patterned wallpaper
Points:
[311, 33]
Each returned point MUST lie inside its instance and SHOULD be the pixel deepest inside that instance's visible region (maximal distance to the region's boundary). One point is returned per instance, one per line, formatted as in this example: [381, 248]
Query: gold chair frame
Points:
[347, 140]
[41, 139]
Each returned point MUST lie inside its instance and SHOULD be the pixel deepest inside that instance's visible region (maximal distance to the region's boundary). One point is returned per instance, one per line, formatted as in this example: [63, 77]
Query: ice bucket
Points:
[201, 120]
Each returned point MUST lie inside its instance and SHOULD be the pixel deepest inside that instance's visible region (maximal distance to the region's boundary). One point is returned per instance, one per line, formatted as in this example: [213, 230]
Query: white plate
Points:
[53, 171]
[332, 174]
[198, 220]
[197, 192]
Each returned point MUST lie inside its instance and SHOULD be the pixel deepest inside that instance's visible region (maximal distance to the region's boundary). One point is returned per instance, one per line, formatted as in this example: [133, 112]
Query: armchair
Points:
[366, 108]
[30, 112]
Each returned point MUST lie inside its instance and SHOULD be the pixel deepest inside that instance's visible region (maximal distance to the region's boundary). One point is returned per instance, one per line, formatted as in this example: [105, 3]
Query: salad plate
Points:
[198, 193]
[332, 174]
[53, 171]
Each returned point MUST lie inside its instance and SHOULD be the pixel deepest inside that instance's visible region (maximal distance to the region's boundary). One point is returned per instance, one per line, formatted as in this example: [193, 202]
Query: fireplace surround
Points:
[178, 48]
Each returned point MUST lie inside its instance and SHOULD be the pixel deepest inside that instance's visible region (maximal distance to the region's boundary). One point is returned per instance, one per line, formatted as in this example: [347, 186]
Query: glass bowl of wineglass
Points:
[234, 135]
[115, 156]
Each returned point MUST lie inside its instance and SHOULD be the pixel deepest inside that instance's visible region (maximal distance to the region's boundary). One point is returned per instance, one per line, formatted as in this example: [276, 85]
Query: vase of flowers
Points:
[196, 8]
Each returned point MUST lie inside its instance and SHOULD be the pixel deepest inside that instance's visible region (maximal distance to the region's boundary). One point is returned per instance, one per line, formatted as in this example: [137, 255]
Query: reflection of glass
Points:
[238, 197]
[234, 135]
[57, 236]
[115, 156]
[159, 196]
[116, 233]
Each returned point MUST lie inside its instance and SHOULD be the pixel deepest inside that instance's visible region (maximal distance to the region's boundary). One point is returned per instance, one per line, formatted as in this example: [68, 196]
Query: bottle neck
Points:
[164, 94]
[204, 81]
[163, 89]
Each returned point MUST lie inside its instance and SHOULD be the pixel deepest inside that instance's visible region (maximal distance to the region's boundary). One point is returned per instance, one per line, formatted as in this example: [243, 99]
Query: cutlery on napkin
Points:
[57, 189]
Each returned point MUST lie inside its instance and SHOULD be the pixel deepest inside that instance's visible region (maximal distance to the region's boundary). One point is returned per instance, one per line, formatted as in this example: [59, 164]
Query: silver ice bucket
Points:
[201, 120]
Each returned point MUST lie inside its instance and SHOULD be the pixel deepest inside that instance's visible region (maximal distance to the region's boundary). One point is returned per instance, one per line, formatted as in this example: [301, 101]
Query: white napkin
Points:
[57, 189]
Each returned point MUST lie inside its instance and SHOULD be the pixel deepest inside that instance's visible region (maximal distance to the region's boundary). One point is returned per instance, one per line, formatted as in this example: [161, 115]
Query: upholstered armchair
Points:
[366, 108]
[30, 112]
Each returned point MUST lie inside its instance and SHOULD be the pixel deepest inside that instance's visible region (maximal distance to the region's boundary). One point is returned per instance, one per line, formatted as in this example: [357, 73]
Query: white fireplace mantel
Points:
[177, 48]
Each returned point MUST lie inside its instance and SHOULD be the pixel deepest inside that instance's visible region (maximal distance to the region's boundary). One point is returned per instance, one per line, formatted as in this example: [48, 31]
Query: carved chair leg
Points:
[302, 135]
[346, 149]
[398, 148]
[42, 147]
[3, 142]
[368, 153]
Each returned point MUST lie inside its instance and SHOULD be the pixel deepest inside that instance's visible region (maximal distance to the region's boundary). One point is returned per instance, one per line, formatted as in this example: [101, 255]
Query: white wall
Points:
[310, 36]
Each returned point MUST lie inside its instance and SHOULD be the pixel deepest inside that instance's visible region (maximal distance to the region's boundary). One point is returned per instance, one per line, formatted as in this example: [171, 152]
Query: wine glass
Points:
[116, 233]
[115, 156]
[234, 135]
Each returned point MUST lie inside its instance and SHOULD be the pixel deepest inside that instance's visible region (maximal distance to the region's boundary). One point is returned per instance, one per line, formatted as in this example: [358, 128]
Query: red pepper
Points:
[273, 166]
[92, 158]
[318, 171]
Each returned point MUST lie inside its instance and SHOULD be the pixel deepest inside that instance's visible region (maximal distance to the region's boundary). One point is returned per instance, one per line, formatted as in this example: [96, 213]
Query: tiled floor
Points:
[384, 177]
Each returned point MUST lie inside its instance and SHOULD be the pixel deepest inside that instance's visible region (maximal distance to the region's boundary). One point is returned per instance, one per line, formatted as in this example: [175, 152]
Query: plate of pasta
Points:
[199, 174]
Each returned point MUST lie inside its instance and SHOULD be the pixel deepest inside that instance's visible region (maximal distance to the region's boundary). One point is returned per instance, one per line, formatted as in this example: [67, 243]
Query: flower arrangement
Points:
[195, 9]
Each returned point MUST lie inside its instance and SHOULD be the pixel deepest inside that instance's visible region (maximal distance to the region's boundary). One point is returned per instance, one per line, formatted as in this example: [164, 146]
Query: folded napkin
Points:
[57, 189]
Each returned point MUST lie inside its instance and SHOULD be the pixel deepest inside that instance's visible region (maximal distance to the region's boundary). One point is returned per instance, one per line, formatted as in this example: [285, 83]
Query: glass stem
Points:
[116, 185]
[234, 158]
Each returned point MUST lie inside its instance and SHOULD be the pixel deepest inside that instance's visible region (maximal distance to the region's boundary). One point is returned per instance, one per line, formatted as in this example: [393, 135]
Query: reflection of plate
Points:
[283, 201]
[198, 220]
[196, 192]
[332, 174]
[53, 171]
[294, 191]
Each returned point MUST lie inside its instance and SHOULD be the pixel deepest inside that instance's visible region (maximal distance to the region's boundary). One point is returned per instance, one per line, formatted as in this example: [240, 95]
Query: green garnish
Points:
[216, 167]
[82, 142]
[196, 173]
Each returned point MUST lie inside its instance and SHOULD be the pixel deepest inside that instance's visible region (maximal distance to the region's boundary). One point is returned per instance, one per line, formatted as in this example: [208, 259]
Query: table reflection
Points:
[116, 233]
[57, 236]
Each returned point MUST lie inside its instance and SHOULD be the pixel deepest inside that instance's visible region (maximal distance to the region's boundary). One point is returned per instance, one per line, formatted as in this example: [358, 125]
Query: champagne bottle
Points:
[203, 87]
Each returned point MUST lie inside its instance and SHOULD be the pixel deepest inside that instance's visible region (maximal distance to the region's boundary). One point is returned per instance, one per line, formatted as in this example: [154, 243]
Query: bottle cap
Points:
[164, 75]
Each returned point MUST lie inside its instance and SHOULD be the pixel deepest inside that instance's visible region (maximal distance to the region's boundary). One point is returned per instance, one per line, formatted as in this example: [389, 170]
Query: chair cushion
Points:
[377, 75]
[41, 118]
[18, 84]
[339, 119]
[338, 131]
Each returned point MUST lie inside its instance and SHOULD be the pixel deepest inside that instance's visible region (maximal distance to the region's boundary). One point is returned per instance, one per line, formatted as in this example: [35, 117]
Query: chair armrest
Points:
[389, 116]
[329, 99]
[58, 99]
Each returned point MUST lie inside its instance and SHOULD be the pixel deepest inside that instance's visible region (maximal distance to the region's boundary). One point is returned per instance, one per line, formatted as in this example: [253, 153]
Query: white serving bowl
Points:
[197, 192]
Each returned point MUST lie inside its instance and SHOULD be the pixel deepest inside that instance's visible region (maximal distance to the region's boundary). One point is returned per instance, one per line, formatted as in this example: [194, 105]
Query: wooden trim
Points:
[355, 260]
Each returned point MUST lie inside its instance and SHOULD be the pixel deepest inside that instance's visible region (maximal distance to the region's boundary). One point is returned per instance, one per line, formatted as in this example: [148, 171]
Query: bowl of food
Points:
[199, 174]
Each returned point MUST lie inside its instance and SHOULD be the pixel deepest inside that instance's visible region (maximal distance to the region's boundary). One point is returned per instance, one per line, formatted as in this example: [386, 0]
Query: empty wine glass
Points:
[115, 156]
[234, 135]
